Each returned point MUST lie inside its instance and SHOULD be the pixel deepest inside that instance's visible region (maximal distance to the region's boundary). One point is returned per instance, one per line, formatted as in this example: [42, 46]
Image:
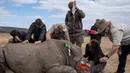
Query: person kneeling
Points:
[18, 36]
[36, 33]
[93, 53]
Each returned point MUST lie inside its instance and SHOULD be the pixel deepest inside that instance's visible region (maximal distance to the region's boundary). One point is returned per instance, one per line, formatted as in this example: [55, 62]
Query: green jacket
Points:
[74, 22]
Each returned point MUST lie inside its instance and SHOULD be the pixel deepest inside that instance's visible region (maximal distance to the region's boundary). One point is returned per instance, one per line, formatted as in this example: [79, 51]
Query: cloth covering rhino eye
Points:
[68, 46]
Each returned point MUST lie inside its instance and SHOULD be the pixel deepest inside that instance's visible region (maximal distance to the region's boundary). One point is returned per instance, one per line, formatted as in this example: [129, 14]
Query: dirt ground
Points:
[106, 47]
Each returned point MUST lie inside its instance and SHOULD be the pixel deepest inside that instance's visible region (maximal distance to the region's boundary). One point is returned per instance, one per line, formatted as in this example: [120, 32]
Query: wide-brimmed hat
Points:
[102, 25]
[97, 22]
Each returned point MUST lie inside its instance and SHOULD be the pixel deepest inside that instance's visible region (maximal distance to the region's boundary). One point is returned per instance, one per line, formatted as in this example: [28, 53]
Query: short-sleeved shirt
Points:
[120, 34]
[64, 36]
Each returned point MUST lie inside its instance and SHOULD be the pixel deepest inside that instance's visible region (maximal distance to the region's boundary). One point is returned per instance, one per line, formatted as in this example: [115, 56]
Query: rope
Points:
[67, 59]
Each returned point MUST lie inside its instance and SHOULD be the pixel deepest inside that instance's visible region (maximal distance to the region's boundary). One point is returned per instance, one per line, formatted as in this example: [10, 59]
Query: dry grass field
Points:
[4, 38]
[106, 47]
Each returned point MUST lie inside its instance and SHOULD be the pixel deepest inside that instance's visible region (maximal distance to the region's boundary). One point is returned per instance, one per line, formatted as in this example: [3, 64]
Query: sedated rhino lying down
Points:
[53, 56]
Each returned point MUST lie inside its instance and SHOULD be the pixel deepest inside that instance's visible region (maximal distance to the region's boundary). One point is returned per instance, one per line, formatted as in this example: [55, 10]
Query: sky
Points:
[21, 13]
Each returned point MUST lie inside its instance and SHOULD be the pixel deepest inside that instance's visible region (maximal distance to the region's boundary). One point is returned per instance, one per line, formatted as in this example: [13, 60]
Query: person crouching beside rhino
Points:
[93, 53]
[36, 33]
[58, 31]
[18, 36]
[119, 35]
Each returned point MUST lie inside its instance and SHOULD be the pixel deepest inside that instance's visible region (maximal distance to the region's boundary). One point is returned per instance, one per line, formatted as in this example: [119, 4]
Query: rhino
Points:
[52, 56]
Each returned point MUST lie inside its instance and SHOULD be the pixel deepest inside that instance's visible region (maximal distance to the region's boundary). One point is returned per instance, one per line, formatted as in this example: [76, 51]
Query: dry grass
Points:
[4, 38]
[106, 47]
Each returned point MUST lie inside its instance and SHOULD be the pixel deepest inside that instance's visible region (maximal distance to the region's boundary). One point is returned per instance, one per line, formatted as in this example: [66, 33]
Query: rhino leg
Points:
[61, 69]
[3, 66]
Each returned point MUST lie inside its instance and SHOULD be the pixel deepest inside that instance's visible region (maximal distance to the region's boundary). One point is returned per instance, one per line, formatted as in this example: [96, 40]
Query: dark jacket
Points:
[93, 56]
[22, 37]
[96, 36]
[38, 33]
[74, 22]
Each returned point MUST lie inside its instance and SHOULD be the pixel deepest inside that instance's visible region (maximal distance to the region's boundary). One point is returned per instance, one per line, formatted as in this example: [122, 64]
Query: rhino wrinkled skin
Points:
[48, 57]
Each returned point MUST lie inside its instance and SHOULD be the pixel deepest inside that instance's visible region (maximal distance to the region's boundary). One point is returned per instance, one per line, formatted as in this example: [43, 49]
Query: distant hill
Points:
[4, 29]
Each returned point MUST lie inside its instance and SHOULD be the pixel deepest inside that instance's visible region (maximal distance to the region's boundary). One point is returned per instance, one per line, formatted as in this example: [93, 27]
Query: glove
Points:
[90, 31]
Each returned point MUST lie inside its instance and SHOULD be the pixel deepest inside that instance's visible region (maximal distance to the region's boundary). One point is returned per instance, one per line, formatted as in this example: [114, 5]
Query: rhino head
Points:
[76, 59]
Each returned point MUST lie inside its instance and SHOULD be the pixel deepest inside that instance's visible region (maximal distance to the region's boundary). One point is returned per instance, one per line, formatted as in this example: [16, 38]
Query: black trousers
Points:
[123, 58]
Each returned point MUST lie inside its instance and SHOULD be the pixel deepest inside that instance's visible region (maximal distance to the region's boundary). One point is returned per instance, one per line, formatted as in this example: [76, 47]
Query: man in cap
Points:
[36, 33]
[120, 37]
[58, 31]
[73, 21]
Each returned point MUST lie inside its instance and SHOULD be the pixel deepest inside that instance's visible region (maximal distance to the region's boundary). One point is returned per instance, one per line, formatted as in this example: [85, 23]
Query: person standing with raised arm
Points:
[73, 21]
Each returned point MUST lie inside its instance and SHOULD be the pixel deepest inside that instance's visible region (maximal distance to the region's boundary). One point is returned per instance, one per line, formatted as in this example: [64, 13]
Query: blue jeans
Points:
[123, 58]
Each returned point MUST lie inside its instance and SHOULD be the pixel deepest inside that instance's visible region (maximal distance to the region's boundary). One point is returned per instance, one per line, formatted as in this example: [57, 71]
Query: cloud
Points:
[24, 1]
[115, 10]
[16, 23]
[1, 1]
[52, 5]
[17, 5]
[57, 15]
[5, 13]
[118, 11]
[37, 16]
[114, 3]
[2, 23]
